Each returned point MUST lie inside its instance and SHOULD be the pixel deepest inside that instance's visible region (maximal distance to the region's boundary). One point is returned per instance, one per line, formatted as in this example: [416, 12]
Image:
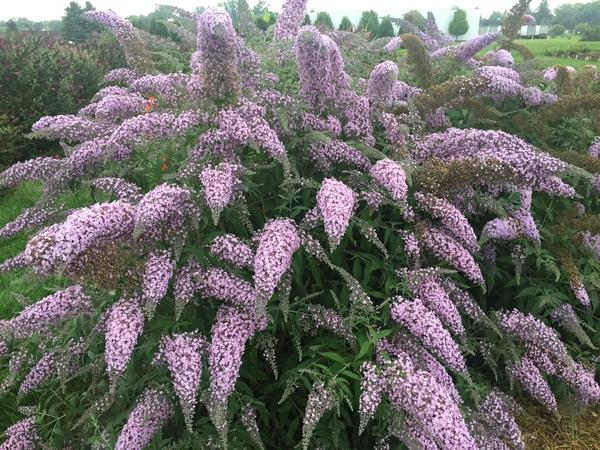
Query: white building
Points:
[443, 17]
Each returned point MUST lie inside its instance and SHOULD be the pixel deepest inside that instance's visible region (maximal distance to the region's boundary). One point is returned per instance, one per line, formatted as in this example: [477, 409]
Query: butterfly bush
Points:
[70, 128]
[60, 245]
[425, 287]
[48, 312]
[277, 243]
[149, 415]
[21, 436]
[424, 325]
[127, 35]
[274, 137]
[380, 88]
[214, 65]
[185, 286]
[219, 185]
[336, 152]
[329, 319]
[393, 44]
[450, 217]
[169, 87]
[182, 355]
[594, 149]
[42, 168]
[500, 57]
[230, 332]
[390, 175]
[433, 410]
[527, 374]
[446, 248]
[30, 219]
[320, 400]
[233, 250]
[124, 325]
[221, 285]
[161, 213]
[290, 19]
[335, 202]
[157, 275]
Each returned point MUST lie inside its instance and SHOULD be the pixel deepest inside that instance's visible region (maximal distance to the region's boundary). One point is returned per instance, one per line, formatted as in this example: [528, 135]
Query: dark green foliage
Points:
[494, 20]
[386, 29]
[345, 24]
[106, 51]
[415, 17]
[40, 76]
[307, 20]
[369, 23]
[75, 27]
[11, 25]
[590, 33]
[459, 25]
[571, 14]
[557, 30]
[323, 21]
[418, 59]
[543, 15]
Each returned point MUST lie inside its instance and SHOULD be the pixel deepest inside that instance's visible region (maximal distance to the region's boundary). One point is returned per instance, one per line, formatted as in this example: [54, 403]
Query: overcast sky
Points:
[39, 10]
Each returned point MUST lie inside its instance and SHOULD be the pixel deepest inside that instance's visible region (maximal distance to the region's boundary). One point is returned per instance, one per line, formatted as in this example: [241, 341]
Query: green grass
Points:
[16, 282]
[23, 282]
[540, 47]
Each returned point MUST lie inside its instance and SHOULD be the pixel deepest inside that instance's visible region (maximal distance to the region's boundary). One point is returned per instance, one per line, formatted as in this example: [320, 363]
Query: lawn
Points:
[542, 47]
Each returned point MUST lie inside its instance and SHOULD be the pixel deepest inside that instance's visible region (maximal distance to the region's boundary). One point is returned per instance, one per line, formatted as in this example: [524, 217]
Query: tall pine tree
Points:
[543, 15]
[75, 27]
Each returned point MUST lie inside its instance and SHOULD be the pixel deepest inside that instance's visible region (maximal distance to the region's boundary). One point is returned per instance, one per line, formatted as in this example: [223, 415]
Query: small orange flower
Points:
[165, 165]
[150, 104]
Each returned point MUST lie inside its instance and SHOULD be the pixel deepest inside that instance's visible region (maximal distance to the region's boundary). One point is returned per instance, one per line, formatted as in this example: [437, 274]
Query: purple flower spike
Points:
[277, 243]
[425, 326]
[157, 274]
[124, 325]
[149, 415]
[335, 201]
[182, 355]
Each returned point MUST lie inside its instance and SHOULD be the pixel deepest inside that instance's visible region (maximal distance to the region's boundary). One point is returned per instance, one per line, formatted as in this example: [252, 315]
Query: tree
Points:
[494, 20]
[543, 15]
[345, 24]
[557, 30]
[416, 18]
[369, 22]
[570, 15]
[307, 20]
[386, 29]
[11, 25]
[75, 27]
[323, 21]
[459, 24]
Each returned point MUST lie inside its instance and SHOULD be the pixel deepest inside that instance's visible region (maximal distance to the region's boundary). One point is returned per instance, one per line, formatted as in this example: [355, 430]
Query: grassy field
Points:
[541, 48]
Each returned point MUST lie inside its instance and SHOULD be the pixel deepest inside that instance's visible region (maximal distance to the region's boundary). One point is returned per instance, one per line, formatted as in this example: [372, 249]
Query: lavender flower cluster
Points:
[255, 275]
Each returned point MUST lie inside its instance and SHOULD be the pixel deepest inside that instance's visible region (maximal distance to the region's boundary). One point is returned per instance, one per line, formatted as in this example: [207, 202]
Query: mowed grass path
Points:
[540, 48]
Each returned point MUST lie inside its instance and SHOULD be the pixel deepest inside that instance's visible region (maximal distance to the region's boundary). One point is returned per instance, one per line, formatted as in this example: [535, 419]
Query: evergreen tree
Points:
[495, 19]
[369, 23]
[459, 24]
[323, 21]
[11, 25]
[75, 27]
[386, 29]
[416, 18]
[345, 24]
[543, 15]
[307, 20]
